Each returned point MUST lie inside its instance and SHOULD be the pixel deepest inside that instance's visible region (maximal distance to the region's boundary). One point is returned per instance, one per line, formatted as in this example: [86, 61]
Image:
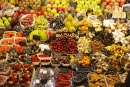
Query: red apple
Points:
[111, 4]
[104, 3]
[59, 9]
[108, 1]
[118, 1]
[20, 11]
[25, 11]
[39, 13]
[121, 4]
[123, 1]
[108, 7]
[16, 14]
[51, 2]
[116, 4]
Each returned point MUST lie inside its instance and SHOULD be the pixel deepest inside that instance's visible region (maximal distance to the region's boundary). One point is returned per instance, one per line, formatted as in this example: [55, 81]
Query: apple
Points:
[32, 12]
[53, 11]
[123, 1]
[54, 6]
[51, 2]
[110, 3]
[48, 6]
[20, 11]
[59, 6]
[39, 13]
[59, 9]
[104, 3]
[116, 4]
[121, 4]
[79, 6]
[81, 3]
[49, 9]
[108, 7]
[57, 2]
[118, 1]
[94, 3]
[16, 14]
[25, 11]
[63, 3]
[98, 1]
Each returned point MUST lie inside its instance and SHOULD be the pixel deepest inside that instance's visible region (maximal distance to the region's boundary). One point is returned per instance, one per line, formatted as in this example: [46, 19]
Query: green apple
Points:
[85, 7]
[87, 3]
[81, 3]
[94, 3]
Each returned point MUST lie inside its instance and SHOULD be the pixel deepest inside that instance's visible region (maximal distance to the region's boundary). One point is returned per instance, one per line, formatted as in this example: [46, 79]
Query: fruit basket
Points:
[27, 20]
[9, 34]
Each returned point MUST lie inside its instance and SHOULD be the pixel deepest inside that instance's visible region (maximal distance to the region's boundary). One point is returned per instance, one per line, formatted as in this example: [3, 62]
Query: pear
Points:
[9, 19]
[7, 23]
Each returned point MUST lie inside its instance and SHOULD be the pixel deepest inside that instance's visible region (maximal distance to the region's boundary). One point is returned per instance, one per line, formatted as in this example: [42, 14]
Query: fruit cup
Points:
[9, 34]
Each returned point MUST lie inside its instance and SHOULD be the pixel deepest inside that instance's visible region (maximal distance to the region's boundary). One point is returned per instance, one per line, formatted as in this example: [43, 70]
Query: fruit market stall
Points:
[64, 43]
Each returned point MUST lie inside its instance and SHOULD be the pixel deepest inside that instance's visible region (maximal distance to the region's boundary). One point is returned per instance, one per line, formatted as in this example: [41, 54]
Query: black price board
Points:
[36, 37]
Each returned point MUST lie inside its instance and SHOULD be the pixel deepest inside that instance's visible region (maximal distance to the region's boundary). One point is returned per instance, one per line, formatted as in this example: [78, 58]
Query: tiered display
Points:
[68, 43]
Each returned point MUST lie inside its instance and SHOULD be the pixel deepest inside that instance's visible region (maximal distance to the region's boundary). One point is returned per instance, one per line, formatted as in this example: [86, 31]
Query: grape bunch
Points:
[40, 23]
[57, 23]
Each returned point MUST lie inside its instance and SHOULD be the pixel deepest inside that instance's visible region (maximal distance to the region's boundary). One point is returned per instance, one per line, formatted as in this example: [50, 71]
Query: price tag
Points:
[22, 43]
[36, 37]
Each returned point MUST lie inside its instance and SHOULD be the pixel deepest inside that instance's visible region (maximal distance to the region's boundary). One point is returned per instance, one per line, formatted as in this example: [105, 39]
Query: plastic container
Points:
[24, 16]
[112, 78]
[43, 58]
[9, 34]
[7, 41]
[99, 79]
[5, 79]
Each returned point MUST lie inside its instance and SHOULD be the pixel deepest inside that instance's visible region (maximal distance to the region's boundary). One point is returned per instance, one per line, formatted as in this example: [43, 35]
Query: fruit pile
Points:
[56, 23]
[64, 45]
[27, 20]
[4, 21]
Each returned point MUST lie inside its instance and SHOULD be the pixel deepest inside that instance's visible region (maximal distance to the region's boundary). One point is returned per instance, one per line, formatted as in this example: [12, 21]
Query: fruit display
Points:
[64, 45]
[32, 4]
[3, 80]
[4, 21]
[112, 79]
[57, 23]
[70, 23]
[40, 23]
[96, 79]
[69, 43]
[13, 80]
[27, 20]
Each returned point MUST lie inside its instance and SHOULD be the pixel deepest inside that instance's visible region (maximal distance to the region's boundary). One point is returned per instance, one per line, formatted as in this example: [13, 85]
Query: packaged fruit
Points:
[7, 41]
[9, 34]
[42, 56]
[17, 68]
